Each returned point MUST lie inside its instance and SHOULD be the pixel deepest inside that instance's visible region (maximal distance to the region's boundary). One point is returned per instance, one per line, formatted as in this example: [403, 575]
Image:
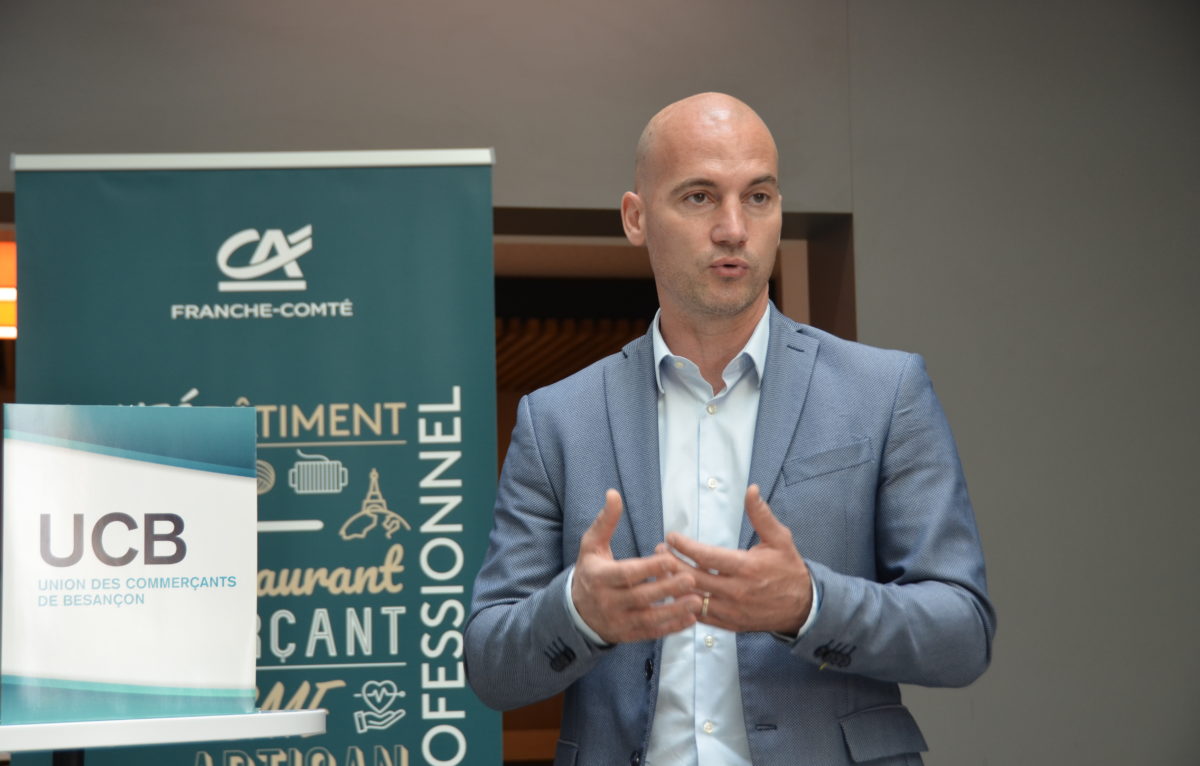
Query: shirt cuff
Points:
[812, 616]
[583, 627]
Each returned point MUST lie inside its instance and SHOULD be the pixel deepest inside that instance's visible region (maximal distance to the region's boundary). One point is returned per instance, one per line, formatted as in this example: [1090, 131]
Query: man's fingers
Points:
[629, 573]
[716, 585]
[770, 530]
[651, 596]
[648, 610]
[662, 619]
[656, 591]
[706, 557]
[599, 534]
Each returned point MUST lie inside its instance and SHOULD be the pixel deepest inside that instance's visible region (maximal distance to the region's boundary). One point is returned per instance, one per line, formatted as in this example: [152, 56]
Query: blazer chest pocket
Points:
[828, 461]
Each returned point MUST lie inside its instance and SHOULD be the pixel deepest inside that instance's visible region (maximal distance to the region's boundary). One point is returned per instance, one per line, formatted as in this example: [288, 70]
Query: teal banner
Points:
[351, 307]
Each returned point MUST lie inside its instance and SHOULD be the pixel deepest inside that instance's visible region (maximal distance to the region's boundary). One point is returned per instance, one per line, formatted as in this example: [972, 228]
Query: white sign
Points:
[129, 562]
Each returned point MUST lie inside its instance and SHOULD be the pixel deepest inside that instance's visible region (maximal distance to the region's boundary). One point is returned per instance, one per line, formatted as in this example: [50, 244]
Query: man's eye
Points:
[697, 198]
[760, 198]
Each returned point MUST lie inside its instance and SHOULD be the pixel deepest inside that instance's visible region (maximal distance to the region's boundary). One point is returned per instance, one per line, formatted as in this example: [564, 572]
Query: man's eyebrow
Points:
[705, 183]
[691, 183]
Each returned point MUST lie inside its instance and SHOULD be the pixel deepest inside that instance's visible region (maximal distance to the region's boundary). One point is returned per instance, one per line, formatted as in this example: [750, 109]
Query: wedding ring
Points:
[704, 606]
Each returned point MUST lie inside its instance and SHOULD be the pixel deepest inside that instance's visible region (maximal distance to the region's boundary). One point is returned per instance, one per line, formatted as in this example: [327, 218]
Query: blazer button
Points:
[649, 669]
[635, 758]
[559, 654]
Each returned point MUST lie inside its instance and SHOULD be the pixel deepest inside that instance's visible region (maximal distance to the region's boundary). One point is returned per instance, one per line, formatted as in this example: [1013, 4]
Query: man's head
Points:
[706, 205]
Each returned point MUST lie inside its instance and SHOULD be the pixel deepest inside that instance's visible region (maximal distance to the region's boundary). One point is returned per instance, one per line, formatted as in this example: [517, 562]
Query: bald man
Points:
[729, 542]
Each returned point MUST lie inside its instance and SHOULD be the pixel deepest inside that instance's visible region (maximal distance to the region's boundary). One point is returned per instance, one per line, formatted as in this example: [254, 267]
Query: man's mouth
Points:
[730, 266]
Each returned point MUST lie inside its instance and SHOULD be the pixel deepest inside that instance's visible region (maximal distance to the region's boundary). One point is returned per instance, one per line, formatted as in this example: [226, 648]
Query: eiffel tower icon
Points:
[374, 507]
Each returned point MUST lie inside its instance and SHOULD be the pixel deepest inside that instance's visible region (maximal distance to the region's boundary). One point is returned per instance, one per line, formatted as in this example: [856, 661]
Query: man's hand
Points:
[765, 588]
[626, 600]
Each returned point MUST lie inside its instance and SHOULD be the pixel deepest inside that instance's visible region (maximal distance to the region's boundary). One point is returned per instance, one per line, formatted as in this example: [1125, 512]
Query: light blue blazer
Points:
[853, 453]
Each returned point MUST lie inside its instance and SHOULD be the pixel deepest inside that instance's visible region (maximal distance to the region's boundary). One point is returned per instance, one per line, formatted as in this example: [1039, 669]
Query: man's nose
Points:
[729, 229]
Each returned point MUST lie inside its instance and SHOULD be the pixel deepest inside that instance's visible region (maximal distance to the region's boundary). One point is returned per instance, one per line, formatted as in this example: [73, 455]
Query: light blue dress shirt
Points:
[705, 446]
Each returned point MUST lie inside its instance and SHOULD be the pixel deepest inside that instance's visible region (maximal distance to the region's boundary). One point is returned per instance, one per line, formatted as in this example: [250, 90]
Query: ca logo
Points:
[275, 251]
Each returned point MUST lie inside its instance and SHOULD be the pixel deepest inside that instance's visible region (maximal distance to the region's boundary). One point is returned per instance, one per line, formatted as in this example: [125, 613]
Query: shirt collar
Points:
[755, 348]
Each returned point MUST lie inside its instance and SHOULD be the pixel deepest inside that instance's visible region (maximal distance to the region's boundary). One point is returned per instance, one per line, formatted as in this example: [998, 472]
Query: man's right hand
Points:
[631, 599]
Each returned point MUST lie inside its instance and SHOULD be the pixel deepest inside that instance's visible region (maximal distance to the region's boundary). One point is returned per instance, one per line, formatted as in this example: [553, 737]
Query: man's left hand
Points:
[765, 588]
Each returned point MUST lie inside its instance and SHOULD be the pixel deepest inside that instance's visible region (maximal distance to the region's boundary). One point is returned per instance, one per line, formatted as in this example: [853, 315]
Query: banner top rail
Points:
[254, 160]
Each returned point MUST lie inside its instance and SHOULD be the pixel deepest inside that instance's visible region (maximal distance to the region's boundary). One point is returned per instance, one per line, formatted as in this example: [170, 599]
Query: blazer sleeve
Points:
[925, 618]
[520, 641]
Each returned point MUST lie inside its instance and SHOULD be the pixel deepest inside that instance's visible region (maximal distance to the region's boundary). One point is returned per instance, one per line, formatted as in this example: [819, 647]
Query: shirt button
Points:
[712, 483]
[709, 641]
[708, 727]
[678, 365]
[712, 409]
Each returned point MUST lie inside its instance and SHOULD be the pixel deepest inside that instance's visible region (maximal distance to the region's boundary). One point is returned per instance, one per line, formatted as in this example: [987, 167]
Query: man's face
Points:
[708, 209]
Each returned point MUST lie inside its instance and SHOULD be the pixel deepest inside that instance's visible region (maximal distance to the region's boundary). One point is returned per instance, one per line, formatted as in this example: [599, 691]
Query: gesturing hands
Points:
[631, 599]
[767, 587]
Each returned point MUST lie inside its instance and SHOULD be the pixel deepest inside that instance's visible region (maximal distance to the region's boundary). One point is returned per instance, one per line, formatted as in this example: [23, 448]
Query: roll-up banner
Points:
[347, 297]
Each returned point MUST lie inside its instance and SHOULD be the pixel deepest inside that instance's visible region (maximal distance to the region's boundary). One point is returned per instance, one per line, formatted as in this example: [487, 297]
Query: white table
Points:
[68, 739]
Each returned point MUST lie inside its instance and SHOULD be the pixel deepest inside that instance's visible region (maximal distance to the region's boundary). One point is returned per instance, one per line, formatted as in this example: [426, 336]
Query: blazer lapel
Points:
[632, 398]
[790, 359]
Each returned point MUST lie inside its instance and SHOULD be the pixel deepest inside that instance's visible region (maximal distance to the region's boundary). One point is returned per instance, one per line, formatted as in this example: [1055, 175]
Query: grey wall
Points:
[560, 89]
[1024, 183]
[1027, 215]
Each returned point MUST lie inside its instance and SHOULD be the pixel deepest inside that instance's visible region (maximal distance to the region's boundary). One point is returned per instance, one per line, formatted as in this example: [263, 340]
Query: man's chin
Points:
[730, 307]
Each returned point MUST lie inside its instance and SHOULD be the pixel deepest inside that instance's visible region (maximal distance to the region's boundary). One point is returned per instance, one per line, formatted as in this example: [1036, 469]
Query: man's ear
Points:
[633, 219]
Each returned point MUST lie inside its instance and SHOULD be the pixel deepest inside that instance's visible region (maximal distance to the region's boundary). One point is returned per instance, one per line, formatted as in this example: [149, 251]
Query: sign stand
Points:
[69, 739]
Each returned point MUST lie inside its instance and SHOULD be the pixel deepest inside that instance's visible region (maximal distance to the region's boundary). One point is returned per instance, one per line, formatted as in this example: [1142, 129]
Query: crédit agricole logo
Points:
[275, 251]
[266, 261]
